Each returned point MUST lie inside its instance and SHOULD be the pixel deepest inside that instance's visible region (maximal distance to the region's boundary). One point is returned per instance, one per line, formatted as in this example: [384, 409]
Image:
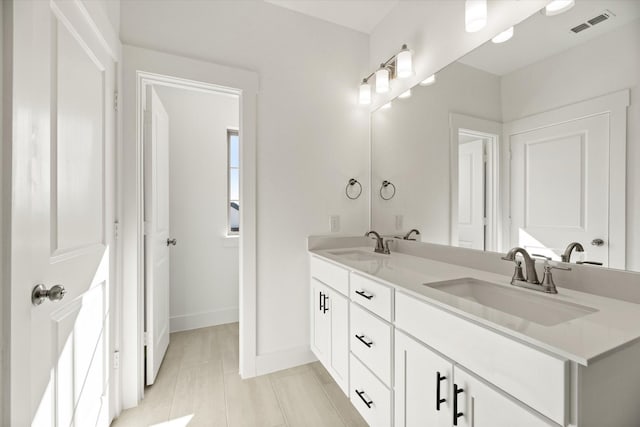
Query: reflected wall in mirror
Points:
[534, 142]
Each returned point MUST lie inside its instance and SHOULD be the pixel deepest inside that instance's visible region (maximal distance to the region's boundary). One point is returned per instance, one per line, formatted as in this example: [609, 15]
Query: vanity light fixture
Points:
[364, 97]
[405, 95]
[475, 15]
[503, 36]
[386, 106]
[429, 80]
[557, 7]
[399, 65]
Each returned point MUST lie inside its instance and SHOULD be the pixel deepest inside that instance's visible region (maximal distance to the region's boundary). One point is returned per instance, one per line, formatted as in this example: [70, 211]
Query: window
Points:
[233, 189]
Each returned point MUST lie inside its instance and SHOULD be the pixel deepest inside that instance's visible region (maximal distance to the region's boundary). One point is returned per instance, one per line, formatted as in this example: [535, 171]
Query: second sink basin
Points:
[538, 309]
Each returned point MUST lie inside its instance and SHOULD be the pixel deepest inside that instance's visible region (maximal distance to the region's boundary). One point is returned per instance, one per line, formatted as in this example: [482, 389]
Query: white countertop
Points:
[583, 340]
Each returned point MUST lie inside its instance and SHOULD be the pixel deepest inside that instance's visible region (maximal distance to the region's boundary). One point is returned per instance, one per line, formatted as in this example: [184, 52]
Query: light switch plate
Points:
[335, 223]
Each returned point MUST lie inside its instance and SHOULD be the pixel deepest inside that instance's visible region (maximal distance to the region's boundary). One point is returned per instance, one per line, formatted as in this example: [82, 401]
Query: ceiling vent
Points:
[593, 21]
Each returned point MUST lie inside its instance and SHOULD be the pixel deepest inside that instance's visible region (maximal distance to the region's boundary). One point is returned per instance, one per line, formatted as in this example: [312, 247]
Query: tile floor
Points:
[198, 385]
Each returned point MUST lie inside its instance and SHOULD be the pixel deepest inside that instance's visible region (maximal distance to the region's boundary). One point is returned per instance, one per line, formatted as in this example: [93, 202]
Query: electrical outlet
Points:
[399, 221]
[335, 223]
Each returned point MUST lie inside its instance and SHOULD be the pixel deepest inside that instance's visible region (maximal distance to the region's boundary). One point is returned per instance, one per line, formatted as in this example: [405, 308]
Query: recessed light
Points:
[503, 36]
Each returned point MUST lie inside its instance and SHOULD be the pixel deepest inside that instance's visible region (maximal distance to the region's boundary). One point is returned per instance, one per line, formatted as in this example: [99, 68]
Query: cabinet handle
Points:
[456, 391]
[439, 400]
[321, 300]
[325, 308]
[366, 402]
[364, 294]
[363, 341]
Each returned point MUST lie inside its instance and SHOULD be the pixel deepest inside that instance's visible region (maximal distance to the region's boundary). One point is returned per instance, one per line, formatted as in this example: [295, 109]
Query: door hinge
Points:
[116, 360]
[115, 101]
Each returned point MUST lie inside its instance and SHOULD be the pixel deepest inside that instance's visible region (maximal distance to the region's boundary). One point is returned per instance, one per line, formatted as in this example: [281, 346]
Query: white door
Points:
[157, 239]
[423, 382]
[338, 307]
[62, 216]
[471, 197]
[480, 405]
[560, 188]
[321, 331]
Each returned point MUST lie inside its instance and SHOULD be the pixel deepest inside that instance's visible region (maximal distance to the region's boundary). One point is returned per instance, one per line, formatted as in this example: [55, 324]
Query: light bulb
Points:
[386, 106]
[405, 95]
[475, 15]
[404, 66]
[503, 36]
[556, 7]
[429, 80]
[364, 97]
[382, 79]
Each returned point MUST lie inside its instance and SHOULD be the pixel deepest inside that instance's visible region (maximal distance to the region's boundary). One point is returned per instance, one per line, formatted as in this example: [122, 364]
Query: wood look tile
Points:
[251, 402]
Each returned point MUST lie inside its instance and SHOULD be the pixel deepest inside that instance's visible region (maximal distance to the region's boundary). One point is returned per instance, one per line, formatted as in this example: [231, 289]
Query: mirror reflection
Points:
[531, 142]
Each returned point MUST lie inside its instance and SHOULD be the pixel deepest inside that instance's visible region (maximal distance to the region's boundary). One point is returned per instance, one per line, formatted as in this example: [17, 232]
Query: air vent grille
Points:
[593, 21]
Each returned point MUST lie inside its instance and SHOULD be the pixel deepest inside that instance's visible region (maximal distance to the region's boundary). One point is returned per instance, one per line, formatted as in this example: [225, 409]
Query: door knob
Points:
[40, 293]
[597, 242]
[171, 242]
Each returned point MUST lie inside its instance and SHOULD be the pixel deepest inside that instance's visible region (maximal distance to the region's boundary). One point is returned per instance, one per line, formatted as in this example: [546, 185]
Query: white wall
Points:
[312, 137]
[204, 263]
[414, 135]
[4, 225]
[603, 65]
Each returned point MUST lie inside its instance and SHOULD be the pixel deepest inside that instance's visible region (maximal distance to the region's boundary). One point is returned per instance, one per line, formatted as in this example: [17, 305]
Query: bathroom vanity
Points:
[418, 342]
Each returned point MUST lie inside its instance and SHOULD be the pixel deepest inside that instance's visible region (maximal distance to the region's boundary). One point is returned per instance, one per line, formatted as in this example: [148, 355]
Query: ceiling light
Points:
[386, 106]
[404, 66]
[364, 97]
[382, 79]
[405, 95]
[556, 7]
[503, 36]
[475, 15]
[429, 80]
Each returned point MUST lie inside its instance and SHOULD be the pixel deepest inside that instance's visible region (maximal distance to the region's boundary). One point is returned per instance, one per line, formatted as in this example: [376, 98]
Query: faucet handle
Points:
[548, 258]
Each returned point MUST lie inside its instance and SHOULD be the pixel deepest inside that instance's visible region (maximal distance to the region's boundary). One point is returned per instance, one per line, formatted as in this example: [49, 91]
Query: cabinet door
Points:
[320, 322]
[338, 307]
[481, 405]
[422, 385]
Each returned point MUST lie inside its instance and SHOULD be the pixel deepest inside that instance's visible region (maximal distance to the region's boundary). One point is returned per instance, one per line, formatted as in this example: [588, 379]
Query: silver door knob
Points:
[171, 242]
[597, 242]
[41, 293]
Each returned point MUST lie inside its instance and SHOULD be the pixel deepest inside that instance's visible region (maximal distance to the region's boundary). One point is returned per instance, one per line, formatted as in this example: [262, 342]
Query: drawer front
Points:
[370, 397]
[532, 376]
[330, 274]
[371, 340]
[372, 295]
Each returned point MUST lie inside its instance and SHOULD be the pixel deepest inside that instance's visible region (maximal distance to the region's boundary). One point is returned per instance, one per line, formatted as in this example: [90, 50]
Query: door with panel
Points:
[471, 195]
[338, 307]
[157, 240]
[320, 324]
[422, 390]
[560, 187]
[63, 122]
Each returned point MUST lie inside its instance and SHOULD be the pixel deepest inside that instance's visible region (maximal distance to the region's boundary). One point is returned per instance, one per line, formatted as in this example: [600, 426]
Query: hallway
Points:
[198, 385]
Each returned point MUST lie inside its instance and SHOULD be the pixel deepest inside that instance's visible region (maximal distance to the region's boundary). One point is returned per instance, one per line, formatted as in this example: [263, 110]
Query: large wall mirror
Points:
[532, 142]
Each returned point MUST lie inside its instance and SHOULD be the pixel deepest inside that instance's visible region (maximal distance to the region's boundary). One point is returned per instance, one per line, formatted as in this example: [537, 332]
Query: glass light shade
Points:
[382, 80]
[475, 15]
[405, 95]
[556, 7]
[503, 36]
[429, 80]
[364, 97]
[404, 65]
[386, 106]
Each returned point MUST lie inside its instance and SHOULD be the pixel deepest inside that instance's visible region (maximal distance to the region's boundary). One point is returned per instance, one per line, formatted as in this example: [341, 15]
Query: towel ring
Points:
[352, 182]
[386, 184]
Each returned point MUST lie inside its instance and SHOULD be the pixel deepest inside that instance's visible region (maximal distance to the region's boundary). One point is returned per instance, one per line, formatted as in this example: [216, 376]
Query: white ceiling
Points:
[541, 36]
[359, 15]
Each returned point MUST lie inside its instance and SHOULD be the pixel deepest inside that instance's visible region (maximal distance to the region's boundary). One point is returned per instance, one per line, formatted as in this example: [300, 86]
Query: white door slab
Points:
[471, 195]
[157, 237]
[62, 201]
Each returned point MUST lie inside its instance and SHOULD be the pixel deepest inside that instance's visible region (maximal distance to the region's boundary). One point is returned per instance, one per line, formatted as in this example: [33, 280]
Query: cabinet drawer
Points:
[370, 397]
[532, 376]
[371, 340]
[372, 295]
[330, 274]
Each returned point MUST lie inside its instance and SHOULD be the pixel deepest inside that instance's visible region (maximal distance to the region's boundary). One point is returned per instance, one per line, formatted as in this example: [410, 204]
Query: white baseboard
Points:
[186, 322]
[272, 362]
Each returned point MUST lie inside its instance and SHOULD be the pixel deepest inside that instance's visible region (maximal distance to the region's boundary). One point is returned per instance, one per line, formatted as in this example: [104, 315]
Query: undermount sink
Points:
[356, 255]
[542, 310]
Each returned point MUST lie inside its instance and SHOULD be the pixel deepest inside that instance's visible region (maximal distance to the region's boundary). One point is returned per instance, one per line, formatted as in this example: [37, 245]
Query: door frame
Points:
[615, 105]
[142, 66]
[491, 131]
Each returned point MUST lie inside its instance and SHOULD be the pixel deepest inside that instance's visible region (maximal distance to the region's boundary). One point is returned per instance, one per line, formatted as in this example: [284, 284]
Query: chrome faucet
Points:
[566, 256]
[408, 235]
[530, 263]
[381, 248]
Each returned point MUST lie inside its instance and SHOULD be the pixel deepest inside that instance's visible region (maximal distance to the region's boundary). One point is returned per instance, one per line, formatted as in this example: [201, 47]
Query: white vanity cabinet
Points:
[330, 321]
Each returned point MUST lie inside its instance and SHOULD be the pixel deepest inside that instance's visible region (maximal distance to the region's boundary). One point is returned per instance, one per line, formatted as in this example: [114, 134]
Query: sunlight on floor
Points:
[176, 422]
